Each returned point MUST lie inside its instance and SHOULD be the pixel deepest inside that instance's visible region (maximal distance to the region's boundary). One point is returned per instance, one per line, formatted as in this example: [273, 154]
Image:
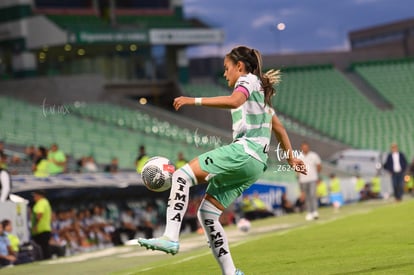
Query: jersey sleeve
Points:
[244, 86]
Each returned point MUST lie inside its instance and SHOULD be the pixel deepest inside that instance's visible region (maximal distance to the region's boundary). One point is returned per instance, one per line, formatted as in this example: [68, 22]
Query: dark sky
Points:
[311, 25]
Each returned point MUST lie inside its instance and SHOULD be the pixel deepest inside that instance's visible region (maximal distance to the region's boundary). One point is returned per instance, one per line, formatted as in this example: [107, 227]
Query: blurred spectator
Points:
[86, 223]
[2, 147]
[6, 158]
[300, 204]
[69, 230]
[22, 251]
[30, 152]
[359, 184]
[334, 184]
[41, 222]
[82, 228]
[89, 165]
[161, 206]
[322, 192]
[141, 159]
[14, 159]
[410, 178]
[56, 242]
[247, 207]
[307, 182]
[376, 186]
[395, 164]
[100, 227]
[40, 166]
[128, 226]
[260, 207]
[287, 206]
[5, 180]
[3, 160]
[254, 207]
[366, 192]
[336, 198]
[14, 240]
[149, 221]
[79, 165]
[7, 256]
[181, 161]
[57, 160]
[112, 167]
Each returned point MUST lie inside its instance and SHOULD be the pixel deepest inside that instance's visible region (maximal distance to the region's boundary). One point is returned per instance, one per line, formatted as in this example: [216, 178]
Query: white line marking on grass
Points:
[90, 255]
[191, 258]
[148, 252]
[176, 262]
[239, 243]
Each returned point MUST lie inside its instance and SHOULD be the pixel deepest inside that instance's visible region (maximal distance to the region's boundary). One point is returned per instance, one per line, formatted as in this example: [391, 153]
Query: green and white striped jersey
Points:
[252, 121]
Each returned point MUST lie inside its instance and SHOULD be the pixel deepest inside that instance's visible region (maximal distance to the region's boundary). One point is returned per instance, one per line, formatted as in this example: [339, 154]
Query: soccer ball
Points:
[244, 225]
[157, 174]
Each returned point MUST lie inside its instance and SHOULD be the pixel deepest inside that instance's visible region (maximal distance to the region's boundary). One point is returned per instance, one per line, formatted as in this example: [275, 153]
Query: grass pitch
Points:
[364, 238]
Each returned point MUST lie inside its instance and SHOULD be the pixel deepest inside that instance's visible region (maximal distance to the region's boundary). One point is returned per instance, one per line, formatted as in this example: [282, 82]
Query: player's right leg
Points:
[162, 244]
[182, 180]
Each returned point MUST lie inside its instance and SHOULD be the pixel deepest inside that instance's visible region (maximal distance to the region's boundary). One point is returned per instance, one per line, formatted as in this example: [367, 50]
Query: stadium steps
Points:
[394, 79]
[366, 89]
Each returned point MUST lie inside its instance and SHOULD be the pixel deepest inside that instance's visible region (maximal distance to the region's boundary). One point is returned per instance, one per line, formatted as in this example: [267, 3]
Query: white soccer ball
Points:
[157, 174]
[244, 225]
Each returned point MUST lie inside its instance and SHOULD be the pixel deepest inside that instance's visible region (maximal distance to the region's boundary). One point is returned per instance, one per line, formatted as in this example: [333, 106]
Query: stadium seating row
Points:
[199, 90]
[324, 99]
[25, 124]
[138, 121]
[321, 98]
[103, 131]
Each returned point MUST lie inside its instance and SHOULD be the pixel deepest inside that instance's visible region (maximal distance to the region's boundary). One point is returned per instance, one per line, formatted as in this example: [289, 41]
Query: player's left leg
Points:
[208, 215]
[239, 171]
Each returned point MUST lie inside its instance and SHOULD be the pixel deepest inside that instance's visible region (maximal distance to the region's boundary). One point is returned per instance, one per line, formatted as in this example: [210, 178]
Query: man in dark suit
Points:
[396, 164]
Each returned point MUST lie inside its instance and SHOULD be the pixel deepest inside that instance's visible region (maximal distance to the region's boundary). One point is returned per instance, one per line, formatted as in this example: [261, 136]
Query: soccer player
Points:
[230, 169]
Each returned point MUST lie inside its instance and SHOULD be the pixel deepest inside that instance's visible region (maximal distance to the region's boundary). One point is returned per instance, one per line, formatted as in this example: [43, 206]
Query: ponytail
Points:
[252, 60]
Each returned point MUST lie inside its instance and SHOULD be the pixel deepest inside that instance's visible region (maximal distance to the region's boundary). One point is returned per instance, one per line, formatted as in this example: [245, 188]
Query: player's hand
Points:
[298, 165]
[181, 101]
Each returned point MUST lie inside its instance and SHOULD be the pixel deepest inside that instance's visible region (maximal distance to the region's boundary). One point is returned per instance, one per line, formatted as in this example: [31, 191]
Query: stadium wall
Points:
[341, 60]
[56, 90]
[213, 67]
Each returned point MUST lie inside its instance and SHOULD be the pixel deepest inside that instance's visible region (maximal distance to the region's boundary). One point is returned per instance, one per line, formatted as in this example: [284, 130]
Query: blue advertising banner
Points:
[269, 193]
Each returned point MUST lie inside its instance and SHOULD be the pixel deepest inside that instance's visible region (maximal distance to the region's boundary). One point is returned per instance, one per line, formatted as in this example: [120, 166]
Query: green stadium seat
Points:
[323, 99]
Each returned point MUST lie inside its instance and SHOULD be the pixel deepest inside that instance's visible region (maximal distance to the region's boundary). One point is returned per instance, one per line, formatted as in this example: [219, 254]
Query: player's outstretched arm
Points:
[235, 100]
